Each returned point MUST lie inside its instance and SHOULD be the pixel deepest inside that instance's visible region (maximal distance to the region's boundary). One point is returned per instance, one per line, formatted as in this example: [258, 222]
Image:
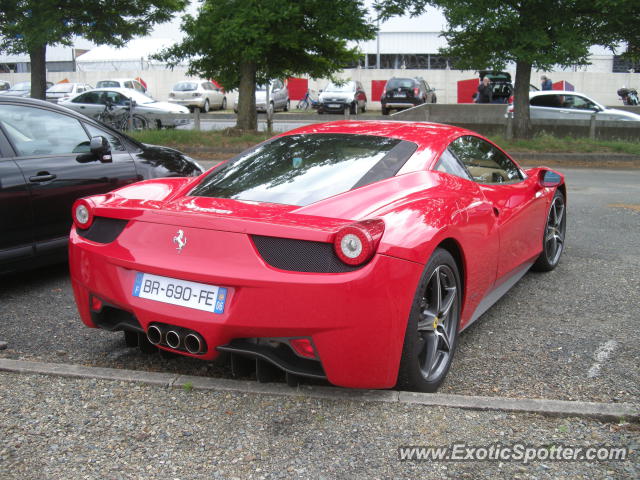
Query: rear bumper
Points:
[397, 103]
[188, 102]
[355, 320]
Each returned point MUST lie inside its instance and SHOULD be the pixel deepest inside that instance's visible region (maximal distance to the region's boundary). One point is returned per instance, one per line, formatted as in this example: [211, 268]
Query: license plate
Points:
[180, 292]
[400, 94]
[334, 105]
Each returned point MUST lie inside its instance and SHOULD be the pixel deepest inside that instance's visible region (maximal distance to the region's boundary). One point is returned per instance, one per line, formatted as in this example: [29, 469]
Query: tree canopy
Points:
[530, 33]
[29, 26]
[241, 43]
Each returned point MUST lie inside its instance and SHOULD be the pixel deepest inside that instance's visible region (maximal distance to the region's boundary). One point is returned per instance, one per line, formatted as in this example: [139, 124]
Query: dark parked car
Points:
[500, 84]
[50, 156]
[402, 93]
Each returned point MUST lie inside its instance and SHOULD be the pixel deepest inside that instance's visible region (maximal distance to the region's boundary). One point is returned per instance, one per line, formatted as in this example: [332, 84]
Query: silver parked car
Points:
[131, 83]
[198, 93]
[61, 91]
[278, 97]
[339, 97]
[150, 113]
[567, 105]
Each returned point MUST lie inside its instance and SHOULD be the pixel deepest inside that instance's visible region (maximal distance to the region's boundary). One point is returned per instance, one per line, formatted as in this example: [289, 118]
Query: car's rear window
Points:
[400, 83]
[185, 86]
[303, 169]
[108, 84]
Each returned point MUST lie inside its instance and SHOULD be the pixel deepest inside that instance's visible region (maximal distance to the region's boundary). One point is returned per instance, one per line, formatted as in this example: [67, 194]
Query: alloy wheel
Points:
[436, 323]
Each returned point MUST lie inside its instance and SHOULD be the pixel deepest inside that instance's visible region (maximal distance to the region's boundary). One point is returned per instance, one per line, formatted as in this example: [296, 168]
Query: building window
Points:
[624, 65]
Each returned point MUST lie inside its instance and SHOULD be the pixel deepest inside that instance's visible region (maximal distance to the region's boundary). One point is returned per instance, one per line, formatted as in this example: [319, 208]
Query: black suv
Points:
[402, 93]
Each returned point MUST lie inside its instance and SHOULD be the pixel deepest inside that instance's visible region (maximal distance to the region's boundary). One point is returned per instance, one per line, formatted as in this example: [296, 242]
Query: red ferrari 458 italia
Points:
[350, 251]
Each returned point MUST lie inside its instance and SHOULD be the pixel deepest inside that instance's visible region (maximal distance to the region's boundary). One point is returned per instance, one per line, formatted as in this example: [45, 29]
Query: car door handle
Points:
[42, 177]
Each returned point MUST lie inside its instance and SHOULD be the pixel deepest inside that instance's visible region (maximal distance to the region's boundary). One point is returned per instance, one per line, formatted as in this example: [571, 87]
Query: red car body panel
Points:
[357, 319]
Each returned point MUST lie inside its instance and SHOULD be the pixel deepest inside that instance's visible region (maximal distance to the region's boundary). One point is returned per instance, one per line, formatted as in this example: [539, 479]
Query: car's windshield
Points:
[185, 86]
[346, 87]
[21, 86]
[61, 88]
[303, 169]
[140, 98]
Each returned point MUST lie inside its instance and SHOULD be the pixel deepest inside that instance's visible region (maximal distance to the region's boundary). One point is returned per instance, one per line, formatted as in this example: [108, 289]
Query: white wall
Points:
[600, 86]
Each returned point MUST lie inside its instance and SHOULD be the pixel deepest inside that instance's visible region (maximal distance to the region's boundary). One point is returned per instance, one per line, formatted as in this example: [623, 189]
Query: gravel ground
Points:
[570, 334]
[56, 427]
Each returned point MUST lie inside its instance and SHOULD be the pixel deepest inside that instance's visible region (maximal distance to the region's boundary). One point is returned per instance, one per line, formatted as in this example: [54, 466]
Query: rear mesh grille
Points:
[300, 255]
[103, 230]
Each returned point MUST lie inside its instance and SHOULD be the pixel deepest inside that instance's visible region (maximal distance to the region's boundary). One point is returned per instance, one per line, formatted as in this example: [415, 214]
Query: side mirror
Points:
[549, 178]
[99, 146]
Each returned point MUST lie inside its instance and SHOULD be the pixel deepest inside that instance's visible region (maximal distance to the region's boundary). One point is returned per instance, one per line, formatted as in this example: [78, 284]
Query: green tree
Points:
[242, 43]
[29, 26]
[530, 33]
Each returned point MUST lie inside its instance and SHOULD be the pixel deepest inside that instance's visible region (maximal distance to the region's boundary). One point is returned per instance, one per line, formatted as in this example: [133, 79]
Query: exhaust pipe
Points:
[193, 343]
[154, 335]
[172, 338]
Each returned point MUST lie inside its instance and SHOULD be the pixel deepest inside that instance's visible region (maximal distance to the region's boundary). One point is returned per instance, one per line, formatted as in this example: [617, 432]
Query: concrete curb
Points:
[601, 411]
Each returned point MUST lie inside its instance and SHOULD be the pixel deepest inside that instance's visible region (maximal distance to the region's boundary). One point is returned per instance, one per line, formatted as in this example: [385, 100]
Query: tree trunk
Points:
[521, 120]
[37, 56]
[247, 116]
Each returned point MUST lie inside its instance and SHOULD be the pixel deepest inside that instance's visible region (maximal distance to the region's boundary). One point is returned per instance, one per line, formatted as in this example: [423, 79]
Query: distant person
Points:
[546, 83]
[485, 91]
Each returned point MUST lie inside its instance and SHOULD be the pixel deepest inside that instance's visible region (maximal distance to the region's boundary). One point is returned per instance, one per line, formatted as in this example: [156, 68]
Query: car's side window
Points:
[114, 141]
[448, 163]
[128, 84]
[553, 101]
[484, 162]
[88, 97]
[35, 131]
[578, 102]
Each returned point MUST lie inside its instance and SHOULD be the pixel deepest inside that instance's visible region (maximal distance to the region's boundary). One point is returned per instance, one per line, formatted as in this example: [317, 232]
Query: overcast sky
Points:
[432, 21]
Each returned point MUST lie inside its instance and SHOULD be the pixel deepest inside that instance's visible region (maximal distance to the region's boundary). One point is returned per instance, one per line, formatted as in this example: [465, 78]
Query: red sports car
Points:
[351, 251]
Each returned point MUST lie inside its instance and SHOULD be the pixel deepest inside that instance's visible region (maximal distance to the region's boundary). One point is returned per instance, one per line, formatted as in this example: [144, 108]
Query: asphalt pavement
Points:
[571, 334]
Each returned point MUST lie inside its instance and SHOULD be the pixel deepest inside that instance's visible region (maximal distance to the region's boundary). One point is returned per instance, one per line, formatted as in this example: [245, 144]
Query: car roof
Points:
[119, 80]
[427, 135]
[555, 92]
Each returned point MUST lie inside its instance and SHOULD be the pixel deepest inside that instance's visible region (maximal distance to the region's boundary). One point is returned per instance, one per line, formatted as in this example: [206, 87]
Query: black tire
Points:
[364, 107]
[432, 328]
[223, 106]
[145, 345]
[287, 106]
[353, 109]
[206, 106]
[385, 111]
[130, 338]
[554, 234]
[138, 123]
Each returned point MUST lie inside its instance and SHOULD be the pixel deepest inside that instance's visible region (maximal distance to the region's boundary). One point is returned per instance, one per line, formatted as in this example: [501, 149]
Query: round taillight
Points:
[354, 245]
[82, 213]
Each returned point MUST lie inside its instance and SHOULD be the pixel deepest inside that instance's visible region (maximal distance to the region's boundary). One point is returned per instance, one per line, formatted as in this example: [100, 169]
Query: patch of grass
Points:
[188, 140]
[549, 144]
[187, 387]
[185, 139]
